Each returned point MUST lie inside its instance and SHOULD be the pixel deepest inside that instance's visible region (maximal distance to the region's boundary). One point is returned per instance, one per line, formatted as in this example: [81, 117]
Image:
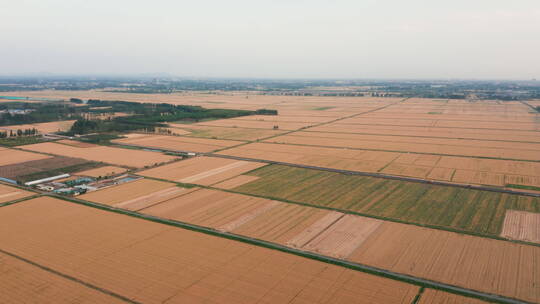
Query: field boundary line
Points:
[36, 195]
[401, 151]
[70, 278]
[269, 245]
[379, 175]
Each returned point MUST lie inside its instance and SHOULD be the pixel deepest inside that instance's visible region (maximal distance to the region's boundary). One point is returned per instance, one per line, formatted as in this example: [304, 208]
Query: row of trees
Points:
[19, 132]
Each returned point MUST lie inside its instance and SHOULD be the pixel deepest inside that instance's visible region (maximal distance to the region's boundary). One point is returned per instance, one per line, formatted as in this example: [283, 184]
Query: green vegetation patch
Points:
[475, 211]
[525, 187]
[323, 108]
[19, 141]
[57, 171]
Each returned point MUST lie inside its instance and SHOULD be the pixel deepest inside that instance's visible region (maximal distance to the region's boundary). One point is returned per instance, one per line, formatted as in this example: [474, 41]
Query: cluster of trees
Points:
[19, 132]
[42, 112]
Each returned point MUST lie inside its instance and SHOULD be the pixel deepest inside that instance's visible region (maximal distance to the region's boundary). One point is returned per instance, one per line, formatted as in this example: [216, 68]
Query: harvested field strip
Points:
[432, 296]
[177, 143]
[152, 199]
[483, 264]
[24, 282]
[314, 230]
[14, 157]
[106, 154]
[127, 192]
[281, 223]
[8, 193]
[102, 171]
[474, 211]
[210, 208]
[226, 133]
[431, 132]
[521, 225]
[235, 181]
[212, 172]
[150, 262]
[343, 236]
[202, 170]
[415, 147]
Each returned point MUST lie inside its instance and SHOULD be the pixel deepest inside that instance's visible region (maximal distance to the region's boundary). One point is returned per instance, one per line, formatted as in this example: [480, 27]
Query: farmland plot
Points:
[202, 170]
[110, 155]
[492, 266]
[152, 263]
[12, 157]
[8, 193]
[25, 283]
[102, 171]
[432, 296]
[457, 208]
[229, 133]
[137, 194]
[177, 143]
[521, 225]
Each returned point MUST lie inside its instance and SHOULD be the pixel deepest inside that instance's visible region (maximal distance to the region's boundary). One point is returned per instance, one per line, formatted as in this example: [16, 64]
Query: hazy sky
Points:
[273, 38]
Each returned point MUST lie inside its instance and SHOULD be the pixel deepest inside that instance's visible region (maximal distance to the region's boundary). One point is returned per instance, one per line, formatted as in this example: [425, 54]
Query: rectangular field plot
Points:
[433, 132]
[432, 296]
[12, 157]
[445, 146]
[176, 143]
[8, 193]
[521, 225]
[370, 161]
[254, 124]
[458, 208]
[487, 265]
[110, 155]
[228, 133]
[25, 283]
[202, 170]
[102, 171]
[136, 195]
[220, 210]
[149, 262]
[46, 167]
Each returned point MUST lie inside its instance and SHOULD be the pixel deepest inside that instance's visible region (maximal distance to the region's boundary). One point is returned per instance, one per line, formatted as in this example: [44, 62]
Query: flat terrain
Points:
[457, 208]
[202, 170]
[476, 239]
[150, 263]
[176, 143]
[13, 157]
[45, 127]
[110, 155]
[8, 193]
[102, 171]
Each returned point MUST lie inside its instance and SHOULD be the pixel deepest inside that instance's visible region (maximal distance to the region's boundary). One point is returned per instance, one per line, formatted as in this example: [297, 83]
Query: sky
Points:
[361, 39]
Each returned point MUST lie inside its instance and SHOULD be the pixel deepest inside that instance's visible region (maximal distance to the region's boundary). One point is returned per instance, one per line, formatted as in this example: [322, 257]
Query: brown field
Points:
[259, 124]
[23, 169]
[102, 171]
[235, 181]
[448, 146]
[521, 225]
[75, 143]
[488, 265]
[210, 208]
[46, 127]
[25, 283]
[342, 237]
[177, 143]
[432, 296]
[281, 223]
[285, 118]
[202, 170]
[13, 157]
[8, 193]
[227, 133]
[150, 262]
[466, 170]
[370, 161]
[135, 195]
[430, 132]
[110, 155]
